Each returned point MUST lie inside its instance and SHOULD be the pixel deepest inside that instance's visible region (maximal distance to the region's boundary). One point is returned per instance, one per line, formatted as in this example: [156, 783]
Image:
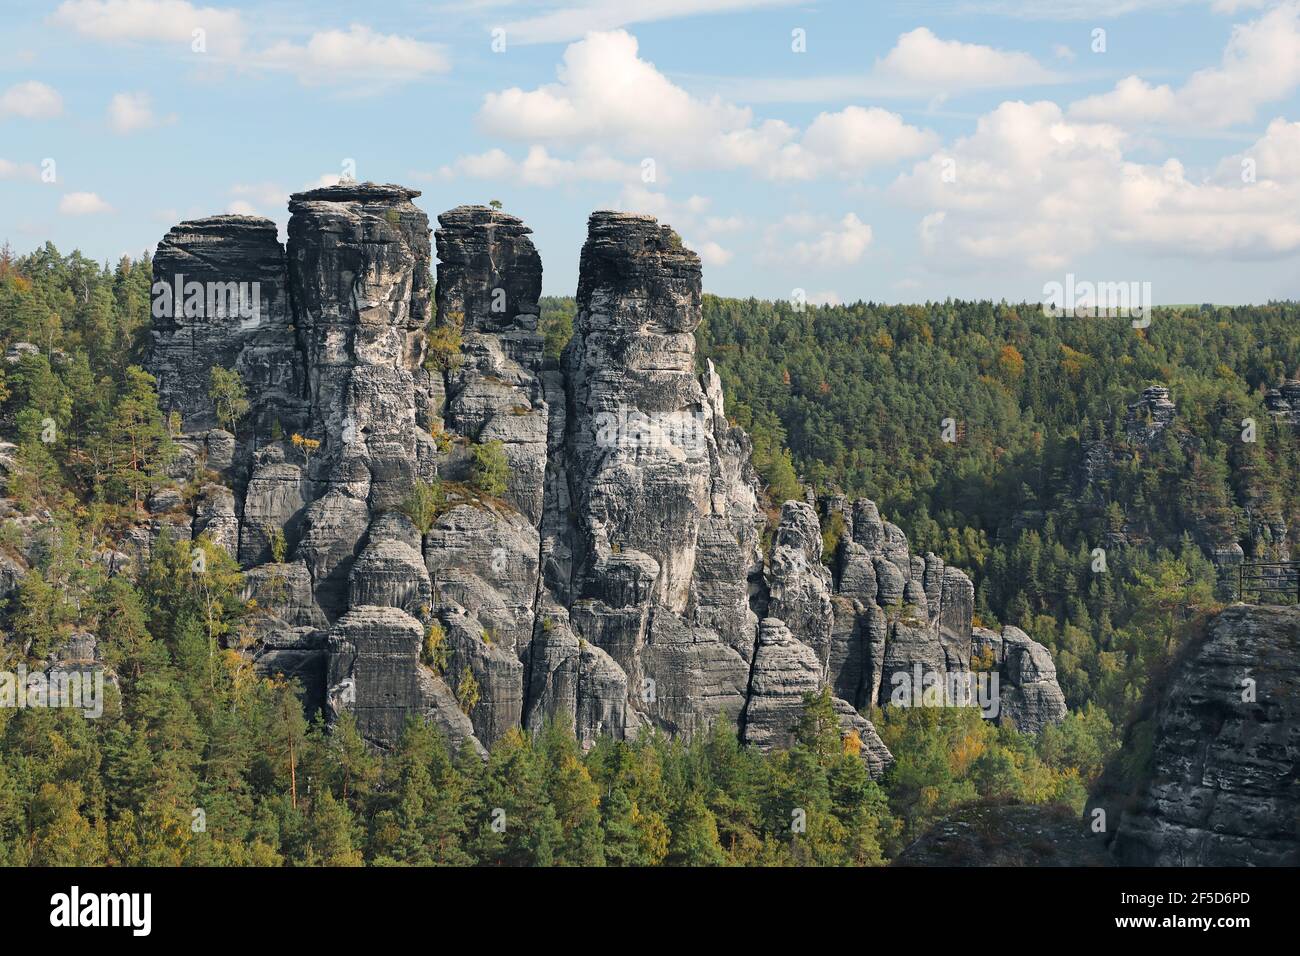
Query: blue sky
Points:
[908, 151]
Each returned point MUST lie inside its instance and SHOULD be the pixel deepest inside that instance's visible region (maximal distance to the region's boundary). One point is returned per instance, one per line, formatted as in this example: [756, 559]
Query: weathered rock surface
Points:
[1221, 787]
[799, 586]
[1151, 414]
[221, 298]
[618, 582]
[1031, 699]
[489, 281]
[902, 631]
[374, 672]
[784, 670]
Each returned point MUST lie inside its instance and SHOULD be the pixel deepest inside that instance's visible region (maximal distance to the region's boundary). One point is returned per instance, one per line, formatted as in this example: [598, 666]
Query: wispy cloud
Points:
[357, 57]
[83, 204]
[921, 65]
[575, 20]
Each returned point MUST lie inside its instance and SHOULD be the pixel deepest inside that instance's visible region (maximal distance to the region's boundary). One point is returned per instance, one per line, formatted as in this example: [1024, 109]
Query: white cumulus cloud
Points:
[356, 55]
[920, 65]
[849, 142]
[1261, 64]
[607, 96]
[82, 204]
[31, 100]
[924, 61]
[1032, 186]
[807, 239]
[161, 21]
[539, 168]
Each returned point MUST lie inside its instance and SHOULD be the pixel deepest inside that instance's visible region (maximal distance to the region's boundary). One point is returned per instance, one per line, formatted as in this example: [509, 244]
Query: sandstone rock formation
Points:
[901, 631]
[1029, 696]
[1221, 786]
[1283, 402]
[617, 582]
[1151, 414]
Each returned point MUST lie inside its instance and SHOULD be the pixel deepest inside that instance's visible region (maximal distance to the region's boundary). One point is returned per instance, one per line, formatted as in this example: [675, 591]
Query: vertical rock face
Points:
[1029, 696]
[359, 258]
[638, 456]
[637, 475]
[1221, 787]
[489, 281]
[618, 582]
[359, 270]
[333, 357]
[221, 297]
[799, 586]
[483, 555]
[1151, 414]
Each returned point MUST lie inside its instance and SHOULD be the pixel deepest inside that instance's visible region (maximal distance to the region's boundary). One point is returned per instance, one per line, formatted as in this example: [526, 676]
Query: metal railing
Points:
[1268, 577]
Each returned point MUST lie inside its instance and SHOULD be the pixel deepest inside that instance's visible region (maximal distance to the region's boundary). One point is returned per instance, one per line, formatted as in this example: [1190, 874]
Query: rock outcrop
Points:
[1220, 787]
[1283, 402]
[1029, 697]
[615, 581]
[1151, 414]
[902, 631]
[1010, 835]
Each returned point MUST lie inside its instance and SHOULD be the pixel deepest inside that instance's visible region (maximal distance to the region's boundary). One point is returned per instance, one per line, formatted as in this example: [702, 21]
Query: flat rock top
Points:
[616, 216]
[624, 244]
[473, 215]
[355, 192]
[226, 223]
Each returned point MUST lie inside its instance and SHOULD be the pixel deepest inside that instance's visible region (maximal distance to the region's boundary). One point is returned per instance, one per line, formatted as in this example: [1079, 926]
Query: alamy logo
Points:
[1092, 300]
[928, 688]
[631, 428]
[73, 909]
[210, 300]
[81, 690]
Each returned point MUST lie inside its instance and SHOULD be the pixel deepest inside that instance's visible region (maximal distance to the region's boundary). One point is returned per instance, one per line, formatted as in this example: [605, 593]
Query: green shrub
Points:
[490, 469]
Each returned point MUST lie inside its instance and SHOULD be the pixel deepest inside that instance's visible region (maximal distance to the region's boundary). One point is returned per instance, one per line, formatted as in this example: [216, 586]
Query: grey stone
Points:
[1221, 786]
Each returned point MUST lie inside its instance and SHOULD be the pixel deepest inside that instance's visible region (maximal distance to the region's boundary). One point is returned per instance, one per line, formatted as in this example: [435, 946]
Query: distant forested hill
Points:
[1049, 463]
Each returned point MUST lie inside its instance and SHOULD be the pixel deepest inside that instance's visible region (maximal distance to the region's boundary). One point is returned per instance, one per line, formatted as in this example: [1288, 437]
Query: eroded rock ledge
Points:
[618, 583]
[1221, 785]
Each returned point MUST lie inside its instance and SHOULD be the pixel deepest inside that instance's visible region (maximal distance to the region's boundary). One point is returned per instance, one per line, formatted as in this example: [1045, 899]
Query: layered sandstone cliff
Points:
[1217, 753]
[619, 581]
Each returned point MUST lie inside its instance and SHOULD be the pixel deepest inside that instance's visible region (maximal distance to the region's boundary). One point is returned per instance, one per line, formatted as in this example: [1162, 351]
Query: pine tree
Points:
[694, 835]
[138, 437]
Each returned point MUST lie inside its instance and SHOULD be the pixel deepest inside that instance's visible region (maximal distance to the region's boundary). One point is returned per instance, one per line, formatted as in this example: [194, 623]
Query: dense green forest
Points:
[852, 399]
[199, 760]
